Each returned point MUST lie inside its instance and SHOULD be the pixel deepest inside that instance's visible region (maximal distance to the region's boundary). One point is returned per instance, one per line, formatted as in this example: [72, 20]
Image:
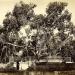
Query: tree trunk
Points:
[17, 65]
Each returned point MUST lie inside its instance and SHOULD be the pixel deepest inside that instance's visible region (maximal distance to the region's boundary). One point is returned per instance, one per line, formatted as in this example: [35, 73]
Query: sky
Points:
[8, 5]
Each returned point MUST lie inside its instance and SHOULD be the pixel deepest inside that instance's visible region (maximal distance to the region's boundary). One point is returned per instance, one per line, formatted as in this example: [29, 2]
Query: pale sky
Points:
[8, 5]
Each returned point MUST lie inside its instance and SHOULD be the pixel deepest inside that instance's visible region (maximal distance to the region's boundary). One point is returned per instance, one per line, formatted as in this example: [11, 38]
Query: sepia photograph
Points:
[37, 37]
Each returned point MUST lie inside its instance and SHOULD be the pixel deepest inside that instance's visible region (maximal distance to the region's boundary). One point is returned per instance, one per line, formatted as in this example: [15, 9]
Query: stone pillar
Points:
[55, 72]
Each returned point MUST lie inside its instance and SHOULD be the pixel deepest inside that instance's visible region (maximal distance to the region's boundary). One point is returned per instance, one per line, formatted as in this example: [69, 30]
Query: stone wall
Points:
[40, 73]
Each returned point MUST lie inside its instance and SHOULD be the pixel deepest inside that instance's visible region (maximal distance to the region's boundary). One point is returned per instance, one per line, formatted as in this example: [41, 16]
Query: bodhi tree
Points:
[12, 40]
[55, 31]
[45, 35]
[58, 19]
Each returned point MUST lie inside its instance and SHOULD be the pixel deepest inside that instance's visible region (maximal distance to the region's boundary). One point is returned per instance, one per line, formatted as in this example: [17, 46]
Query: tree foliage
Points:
[11, 43]
[59, 18]
[52, 32]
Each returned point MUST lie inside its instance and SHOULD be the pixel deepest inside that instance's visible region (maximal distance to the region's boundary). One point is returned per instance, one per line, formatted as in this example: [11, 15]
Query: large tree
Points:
[25, 34]
[58, 19]
[12, 39]
[55, 31]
